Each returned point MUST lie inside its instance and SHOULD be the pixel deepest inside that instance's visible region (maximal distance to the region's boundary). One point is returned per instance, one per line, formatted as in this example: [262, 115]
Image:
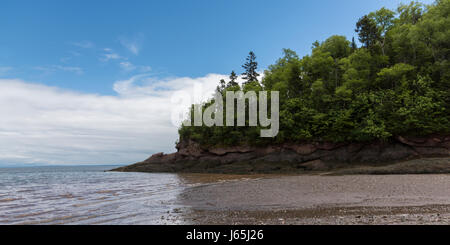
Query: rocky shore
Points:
[313, 200]
[299, 157]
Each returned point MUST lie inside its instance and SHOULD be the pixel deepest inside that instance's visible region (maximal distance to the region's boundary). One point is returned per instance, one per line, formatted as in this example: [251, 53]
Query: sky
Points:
[90, 82]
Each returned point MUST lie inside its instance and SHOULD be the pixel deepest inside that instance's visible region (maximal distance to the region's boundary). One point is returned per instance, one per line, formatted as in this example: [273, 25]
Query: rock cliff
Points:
[291, 157]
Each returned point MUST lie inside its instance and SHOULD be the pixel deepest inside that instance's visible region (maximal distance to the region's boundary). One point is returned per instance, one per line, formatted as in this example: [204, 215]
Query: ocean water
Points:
[85, 195]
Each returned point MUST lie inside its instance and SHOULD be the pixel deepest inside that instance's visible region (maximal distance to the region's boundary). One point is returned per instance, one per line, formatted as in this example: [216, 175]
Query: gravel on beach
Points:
[317, 200]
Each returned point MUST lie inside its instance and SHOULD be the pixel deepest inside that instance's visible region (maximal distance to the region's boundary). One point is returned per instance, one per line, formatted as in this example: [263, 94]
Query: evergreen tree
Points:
[233, 78]
[250, 74]
[354, 46]
[342, 93]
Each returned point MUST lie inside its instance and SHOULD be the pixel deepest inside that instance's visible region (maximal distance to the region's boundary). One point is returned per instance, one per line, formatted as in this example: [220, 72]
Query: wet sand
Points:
[356, 199]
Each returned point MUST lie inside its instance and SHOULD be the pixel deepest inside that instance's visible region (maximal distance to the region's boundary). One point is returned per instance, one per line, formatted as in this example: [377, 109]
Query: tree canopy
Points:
[396, 83]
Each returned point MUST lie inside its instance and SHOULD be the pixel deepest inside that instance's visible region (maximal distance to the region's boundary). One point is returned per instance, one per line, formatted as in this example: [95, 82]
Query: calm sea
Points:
[85, 195]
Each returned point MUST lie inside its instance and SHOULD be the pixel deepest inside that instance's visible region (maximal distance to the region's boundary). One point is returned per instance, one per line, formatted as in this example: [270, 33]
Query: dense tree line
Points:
[396, 83]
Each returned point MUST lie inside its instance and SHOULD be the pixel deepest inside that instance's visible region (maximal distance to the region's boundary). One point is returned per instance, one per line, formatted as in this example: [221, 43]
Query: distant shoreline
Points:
[50, 166]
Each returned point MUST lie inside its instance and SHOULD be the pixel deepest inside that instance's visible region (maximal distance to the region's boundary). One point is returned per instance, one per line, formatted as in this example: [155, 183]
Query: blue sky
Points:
[87, 81]
[62, 43]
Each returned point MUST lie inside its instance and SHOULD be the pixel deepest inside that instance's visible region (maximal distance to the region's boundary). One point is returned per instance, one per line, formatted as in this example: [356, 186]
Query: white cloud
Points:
[133, 47]
[127, 66]
[110, 55]
[132, 44]
[42, 124]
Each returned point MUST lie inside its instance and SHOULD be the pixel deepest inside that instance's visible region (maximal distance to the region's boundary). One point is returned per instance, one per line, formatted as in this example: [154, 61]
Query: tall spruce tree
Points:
[250, 74]
[354, 46]
[233, 78]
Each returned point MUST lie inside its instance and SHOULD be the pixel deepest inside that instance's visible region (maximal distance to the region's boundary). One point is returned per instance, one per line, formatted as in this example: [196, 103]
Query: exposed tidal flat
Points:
[315, 199]
[89, 195]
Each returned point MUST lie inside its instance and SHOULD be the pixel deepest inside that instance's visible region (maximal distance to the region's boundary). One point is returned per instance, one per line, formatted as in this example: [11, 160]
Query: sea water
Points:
[85, 195]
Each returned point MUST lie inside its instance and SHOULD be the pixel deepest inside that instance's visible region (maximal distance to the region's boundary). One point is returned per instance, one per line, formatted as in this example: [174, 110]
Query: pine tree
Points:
[250, 74]
[233, 78]
[354, 46]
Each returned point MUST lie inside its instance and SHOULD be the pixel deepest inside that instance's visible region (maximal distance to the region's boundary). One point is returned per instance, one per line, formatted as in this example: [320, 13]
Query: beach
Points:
[307, 199]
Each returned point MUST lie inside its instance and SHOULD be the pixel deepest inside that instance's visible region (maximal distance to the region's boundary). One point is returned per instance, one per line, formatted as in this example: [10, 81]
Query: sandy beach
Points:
[306, 199]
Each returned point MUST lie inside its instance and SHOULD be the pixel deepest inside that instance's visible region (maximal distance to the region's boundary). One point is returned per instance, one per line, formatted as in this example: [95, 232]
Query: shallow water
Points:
[90, 195]
[84, 195]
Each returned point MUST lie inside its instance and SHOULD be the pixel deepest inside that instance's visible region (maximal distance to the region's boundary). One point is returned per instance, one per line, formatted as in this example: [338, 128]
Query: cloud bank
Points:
[48, 125]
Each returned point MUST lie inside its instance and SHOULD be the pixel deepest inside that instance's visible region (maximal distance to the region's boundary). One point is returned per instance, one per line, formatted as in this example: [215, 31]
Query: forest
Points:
[394, 81]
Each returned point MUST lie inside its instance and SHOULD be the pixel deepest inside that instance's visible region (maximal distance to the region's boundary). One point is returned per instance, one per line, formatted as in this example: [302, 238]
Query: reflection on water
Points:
[89, 195]
[84, 195]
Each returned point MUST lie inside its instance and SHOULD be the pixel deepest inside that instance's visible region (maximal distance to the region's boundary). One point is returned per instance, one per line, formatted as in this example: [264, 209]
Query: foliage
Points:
[397, 83]
[250, 74]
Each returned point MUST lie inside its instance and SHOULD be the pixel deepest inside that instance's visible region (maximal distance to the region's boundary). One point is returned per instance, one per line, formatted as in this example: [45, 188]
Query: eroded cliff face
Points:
[291, 157]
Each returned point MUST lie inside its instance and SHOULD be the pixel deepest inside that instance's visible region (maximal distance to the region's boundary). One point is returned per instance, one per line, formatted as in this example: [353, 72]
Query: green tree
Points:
[368, 32]
[354, 46]
[233, 78]
[250, 74]
[397, 83]
[383, 19]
